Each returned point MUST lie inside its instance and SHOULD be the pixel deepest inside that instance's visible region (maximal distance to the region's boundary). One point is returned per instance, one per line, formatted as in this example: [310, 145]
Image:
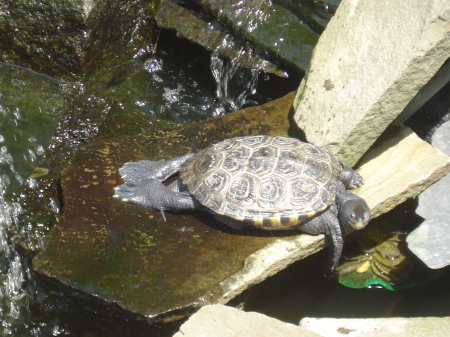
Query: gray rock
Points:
[431, 240]
[366, 68]
[431, 243]
[434, 202]
[223, 321]
[441, 138]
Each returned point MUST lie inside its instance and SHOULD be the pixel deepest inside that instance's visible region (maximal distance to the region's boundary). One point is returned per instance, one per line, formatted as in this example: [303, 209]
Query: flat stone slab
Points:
[399, 168]
[377, 327]
[161, 269]
[366, 67]
[223, 321]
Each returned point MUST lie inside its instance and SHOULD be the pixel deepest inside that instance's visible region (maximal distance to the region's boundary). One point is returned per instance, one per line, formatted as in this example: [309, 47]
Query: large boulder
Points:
[368, 64]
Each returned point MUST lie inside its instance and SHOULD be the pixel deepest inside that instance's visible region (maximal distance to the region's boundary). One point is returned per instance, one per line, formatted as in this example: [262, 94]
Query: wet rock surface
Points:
[26, 27]
[356, 101]
[268, 25]
[129, 255]
[173, 16]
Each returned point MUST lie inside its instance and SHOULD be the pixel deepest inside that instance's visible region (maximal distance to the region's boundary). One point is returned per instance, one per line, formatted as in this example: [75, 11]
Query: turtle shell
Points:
[270, 182]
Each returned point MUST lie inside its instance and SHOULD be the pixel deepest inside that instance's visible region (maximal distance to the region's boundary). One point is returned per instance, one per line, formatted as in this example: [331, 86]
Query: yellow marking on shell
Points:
[292, 220]
[275, 222]
[258, 222]
[311, 214]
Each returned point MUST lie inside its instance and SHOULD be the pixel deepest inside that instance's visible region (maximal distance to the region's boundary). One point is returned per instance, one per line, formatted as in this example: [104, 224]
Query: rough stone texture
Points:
[223, 321]
[399, 168]
[430, 242]
[441, 138]
[434, 202]
[378, 327]
[367, 66]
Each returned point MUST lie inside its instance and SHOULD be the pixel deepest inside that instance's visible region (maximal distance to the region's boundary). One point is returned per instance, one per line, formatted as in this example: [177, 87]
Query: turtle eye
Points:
[352, 216]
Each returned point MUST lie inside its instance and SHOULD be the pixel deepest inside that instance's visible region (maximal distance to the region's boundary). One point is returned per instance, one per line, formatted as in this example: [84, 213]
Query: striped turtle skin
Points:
[269, 182]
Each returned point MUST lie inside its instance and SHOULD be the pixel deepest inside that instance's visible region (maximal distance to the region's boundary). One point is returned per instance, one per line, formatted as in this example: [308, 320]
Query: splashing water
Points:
[31, 106]
[234, 84]
[13, 272]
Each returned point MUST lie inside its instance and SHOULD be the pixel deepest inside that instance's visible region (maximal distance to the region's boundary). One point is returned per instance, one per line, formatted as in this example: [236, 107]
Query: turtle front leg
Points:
[350, 178]
[327, 223]
[144, 186]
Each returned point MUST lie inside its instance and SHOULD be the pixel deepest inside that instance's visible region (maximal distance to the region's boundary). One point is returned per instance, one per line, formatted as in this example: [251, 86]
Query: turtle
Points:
[271, 183]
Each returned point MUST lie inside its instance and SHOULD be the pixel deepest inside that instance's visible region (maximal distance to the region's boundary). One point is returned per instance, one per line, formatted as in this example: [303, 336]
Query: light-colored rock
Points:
[378, 327]
[430, 242]
[223, 321]
[398, 169]
[366, 68]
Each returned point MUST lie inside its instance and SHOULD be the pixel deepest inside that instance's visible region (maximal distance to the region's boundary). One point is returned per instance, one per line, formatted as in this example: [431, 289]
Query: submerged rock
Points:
[366, 68]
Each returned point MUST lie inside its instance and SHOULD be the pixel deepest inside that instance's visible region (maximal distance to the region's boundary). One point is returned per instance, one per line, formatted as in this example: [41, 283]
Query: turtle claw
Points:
[356, 181]
[128, 193]
[163, 215]
[351, 178]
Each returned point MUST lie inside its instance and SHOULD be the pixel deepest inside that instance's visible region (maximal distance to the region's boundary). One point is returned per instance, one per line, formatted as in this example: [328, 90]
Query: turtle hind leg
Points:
[136, 171]
[153, 194]
[144, 185]
[327, 223]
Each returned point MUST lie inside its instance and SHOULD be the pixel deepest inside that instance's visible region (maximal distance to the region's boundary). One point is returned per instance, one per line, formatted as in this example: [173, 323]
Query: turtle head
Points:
[355, 213]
